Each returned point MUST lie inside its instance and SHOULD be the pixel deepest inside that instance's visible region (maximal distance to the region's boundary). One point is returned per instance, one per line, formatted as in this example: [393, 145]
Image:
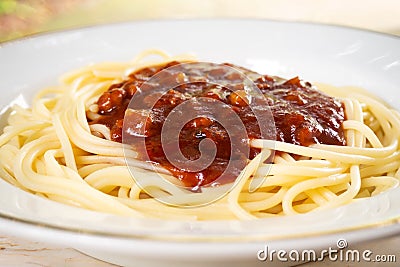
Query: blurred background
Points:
[24, 17]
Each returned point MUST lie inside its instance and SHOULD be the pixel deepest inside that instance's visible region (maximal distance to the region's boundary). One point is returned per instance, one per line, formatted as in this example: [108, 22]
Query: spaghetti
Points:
[52, 150]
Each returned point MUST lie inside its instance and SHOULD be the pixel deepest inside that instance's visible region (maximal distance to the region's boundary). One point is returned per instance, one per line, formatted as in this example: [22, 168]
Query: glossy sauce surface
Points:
[302, 115]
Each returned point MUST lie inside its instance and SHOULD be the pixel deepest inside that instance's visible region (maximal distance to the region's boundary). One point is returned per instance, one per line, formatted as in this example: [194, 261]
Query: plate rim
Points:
[43, 34]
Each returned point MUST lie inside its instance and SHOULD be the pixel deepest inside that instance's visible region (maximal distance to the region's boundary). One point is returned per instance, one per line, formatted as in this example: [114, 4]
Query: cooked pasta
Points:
[51, 149]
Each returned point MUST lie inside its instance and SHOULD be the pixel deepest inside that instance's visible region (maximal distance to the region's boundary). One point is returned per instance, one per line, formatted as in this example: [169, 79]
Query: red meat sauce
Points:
[302, 115]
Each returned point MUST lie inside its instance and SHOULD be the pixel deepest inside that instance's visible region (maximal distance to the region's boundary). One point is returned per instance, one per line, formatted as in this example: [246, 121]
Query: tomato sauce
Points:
[302, 115]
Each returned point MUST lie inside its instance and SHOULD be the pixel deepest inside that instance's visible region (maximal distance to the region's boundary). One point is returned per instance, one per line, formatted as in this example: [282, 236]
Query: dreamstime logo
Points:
[193, 125]
[339, 253]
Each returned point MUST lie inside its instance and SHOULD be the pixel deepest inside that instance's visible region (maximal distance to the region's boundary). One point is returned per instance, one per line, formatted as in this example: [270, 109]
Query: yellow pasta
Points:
[52, 151]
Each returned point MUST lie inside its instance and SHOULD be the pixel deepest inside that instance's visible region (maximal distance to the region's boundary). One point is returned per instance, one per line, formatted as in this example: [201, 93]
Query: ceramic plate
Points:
[333, 55]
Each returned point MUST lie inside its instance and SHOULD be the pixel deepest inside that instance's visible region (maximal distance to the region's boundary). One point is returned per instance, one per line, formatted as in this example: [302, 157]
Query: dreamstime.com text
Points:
[339, 253]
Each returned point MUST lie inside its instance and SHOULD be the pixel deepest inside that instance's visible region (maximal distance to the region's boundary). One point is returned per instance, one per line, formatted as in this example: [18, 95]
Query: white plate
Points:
[339, 56]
